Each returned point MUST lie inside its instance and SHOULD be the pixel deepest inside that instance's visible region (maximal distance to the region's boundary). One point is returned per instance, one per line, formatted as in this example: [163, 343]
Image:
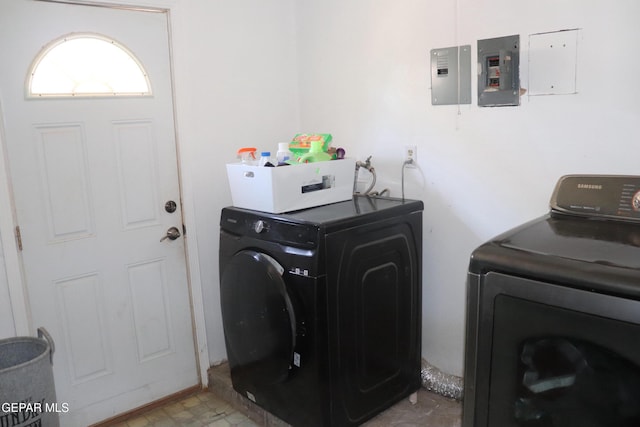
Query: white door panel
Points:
[90, 179]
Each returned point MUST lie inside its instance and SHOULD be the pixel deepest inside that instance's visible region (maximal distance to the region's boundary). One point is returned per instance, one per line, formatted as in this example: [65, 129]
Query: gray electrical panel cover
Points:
[499, 71]
[451, 75]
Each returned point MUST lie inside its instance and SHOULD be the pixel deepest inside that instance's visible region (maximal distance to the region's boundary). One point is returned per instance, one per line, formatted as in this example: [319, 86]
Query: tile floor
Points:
[223, 407]
[203, 409]
[206, 409]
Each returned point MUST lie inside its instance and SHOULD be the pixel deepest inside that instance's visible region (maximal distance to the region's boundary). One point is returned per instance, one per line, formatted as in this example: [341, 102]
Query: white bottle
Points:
[265, 157]
[283, 153]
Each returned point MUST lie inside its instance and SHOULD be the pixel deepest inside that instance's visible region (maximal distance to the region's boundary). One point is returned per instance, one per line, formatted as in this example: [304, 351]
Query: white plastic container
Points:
[290, 188]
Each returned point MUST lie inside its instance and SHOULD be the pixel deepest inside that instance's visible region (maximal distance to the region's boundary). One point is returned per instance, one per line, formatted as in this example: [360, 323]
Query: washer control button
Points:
[259, 226]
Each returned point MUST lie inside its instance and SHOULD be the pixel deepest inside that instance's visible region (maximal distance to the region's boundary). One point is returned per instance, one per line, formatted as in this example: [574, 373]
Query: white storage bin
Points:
[289, 188]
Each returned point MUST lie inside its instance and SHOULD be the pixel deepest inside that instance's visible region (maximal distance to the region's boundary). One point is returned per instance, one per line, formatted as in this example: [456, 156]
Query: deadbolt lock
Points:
[170, 206]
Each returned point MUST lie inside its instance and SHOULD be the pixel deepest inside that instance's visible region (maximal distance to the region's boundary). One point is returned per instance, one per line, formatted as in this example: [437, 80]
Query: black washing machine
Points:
[553, 314]
[322, 308]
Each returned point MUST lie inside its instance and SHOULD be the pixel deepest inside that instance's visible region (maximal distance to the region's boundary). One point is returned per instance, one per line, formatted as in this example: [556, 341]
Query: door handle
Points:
[172, 234]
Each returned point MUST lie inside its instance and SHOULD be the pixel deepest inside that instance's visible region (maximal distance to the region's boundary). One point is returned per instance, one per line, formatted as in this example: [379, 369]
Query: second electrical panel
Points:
[498, 71]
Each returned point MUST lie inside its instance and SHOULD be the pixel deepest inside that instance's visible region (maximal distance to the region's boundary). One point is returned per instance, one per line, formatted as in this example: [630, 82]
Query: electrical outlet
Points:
[411, 154]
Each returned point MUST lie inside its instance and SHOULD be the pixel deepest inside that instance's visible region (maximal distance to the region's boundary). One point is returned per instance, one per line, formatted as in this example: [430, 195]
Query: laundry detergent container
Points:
[27, 391]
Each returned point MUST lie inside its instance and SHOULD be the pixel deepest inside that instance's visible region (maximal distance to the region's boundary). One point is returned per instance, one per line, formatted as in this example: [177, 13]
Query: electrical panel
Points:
[499, 71]
[451, 75]
[553, 62]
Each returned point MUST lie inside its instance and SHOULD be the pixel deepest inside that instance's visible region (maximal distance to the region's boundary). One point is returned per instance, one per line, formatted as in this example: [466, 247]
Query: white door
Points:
[91, 178]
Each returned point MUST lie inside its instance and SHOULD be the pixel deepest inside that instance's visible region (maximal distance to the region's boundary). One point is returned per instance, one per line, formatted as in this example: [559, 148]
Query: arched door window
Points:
[86, 65]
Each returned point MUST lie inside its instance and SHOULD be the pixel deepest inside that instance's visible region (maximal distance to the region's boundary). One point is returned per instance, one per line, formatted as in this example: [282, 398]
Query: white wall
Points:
[236, 86]
[365, 77]
[7, 326]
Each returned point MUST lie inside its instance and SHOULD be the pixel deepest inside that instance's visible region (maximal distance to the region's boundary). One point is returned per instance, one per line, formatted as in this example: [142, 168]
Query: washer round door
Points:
[258, 318]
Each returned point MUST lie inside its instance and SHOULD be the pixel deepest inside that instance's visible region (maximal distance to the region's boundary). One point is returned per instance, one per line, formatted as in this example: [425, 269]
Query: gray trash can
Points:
[27, 392]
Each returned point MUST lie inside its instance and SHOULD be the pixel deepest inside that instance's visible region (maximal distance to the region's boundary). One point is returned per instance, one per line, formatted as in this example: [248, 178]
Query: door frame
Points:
[17, 285]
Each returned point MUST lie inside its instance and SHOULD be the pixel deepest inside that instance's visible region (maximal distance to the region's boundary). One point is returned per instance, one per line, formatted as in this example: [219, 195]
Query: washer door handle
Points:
[275, 263]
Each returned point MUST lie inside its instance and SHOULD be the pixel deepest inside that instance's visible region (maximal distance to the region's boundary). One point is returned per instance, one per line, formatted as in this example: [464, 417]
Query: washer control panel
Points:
[598, 196]
[254, 225]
